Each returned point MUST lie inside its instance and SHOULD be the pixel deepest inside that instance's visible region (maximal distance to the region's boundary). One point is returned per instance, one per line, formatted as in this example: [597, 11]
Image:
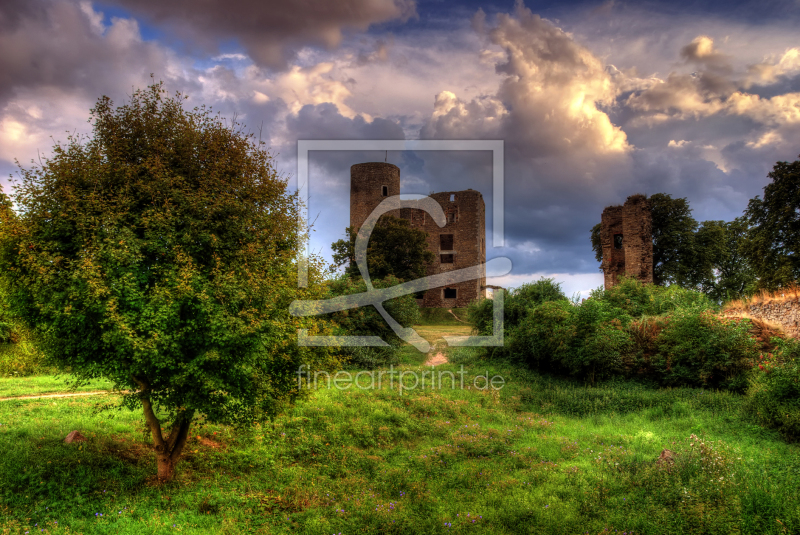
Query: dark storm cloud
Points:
[270, 32]
[686, 134]
[65, 46]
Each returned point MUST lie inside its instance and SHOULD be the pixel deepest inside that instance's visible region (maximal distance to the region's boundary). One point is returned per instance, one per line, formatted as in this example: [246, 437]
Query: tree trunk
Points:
[168, 450]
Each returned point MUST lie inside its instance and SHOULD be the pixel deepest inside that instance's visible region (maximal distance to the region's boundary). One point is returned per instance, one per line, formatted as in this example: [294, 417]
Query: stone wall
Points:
[627, 241]
[460, 243]
[785, 313]
[367, 183]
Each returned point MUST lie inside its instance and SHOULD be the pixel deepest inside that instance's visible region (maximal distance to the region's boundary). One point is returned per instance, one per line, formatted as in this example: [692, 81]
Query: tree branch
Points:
[181, 436]
[149, 415]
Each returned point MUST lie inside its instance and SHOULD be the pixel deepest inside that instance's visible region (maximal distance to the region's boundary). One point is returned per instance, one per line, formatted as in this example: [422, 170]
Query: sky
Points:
[594, 101]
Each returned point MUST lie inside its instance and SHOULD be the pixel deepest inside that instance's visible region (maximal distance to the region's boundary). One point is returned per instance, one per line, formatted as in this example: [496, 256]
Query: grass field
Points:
[537, 456]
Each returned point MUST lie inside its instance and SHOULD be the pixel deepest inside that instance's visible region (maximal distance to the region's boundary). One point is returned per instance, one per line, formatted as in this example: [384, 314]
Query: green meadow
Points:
[539, 455]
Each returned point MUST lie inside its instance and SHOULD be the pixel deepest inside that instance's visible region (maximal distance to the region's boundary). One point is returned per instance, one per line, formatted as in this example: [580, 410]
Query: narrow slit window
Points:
[385, 191]
[445, 242]
[445, 259]
[452, 197]
[450, 293]
[617, 241]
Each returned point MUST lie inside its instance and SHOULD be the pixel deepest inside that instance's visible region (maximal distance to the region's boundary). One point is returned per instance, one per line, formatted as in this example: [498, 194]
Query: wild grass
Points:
[442, 316]
[540, 455]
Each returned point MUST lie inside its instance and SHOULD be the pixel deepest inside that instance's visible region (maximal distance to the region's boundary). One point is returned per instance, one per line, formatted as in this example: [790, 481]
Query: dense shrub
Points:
[366, 321]
[773, 398]
[518, 304]
[7, 334]
[19, 356]
[480, 315]
[666, 335]
[588, 340]
[638, 299]
[698, 348]
[529, 295]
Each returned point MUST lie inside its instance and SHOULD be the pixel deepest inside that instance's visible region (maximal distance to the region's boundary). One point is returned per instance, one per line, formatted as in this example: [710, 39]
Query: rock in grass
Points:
[74, 436]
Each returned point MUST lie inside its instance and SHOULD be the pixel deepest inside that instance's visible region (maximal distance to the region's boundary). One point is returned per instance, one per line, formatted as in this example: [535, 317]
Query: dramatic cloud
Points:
[270, 32]
[553, 85]
[65, 45]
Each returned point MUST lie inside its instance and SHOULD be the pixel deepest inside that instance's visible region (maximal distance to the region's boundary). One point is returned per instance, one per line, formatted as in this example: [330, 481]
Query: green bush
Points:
[19, 356]
[638, 299]
[587, 340]
[7, 334]
[366, 321]
[520, 301]
[698, 348]
[773, 398]
[667, 335]
[480, 315]
[518, 304]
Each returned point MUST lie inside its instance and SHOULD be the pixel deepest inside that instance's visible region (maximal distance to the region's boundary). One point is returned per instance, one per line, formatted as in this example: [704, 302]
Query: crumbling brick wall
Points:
[459, 244]
[627, 241]
[785, 313]
[370, 184]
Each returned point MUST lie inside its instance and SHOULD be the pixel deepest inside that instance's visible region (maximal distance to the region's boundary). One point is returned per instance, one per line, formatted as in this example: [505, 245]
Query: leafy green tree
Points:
[677, 259]
[773, 244]
[159, 253]
[722, 244]
[394, 248]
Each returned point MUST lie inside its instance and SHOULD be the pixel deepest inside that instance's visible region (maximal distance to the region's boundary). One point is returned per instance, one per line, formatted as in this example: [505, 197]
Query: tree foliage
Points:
[773, 247]
[394, 249]
[707, 256]
[722, 243]
[159, 253]
[677, 259]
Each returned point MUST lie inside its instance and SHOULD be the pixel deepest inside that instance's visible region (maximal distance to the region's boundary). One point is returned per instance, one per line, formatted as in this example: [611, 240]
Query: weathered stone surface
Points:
[786, 313]
[627, 241]
[459, 244]
[74, 436]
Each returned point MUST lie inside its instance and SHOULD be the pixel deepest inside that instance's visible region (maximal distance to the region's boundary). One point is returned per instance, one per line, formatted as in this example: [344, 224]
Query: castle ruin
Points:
[459, 244]
[627, 241]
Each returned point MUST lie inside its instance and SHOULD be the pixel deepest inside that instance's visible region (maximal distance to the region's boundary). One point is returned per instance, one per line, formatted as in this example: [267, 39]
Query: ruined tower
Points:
[370, 184]
[627, 241]
[459, 244]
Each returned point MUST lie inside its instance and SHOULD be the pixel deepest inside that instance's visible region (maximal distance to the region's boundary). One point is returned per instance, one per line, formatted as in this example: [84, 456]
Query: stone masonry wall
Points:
[466, 223]
[785, 313]
[366, 189]
[627, 242]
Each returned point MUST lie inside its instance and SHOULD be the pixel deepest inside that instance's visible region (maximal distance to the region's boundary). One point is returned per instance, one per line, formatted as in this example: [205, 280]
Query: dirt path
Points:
[72, 395]
[436, 359]
[456, 317]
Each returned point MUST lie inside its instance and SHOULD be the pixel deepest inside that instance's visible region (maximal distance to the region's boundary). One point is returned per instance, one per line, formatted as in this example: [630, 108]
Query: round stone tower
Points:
[370, 184]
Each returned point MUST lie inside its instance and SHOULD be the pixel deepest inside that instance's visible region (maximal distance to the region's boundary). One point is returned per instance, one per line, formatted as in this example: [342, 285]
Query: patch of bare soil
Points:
[210, 443]
[436, 359]
[456, 317]
[72, 395]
